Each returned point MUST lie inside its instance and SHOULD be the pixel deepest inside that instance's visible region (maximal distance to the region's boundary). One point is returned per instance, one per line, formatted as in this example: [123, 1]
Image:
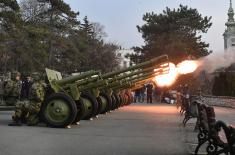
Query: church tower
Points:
[229, 34]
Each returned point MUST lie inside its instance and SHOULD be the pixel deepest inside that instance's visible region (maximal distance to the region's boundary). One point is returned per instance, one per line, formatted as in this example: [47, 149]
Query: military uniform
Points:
[27, 111]
[12, 89]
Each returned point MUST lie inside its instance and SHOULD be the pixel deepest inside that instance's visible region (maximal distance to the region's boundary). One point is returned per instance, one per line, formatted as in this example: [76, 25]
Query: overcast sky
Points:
[120, 17]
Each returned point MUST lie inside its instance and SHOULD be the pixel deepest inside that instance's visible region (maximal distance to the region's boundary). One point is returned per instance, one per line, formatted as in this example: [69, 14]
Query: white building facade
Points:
[124, 62]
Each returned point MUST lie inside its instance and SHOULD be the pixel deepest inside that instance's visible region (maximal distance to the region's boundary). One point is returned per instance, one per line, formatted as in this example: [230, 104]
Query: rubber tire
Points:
[79, 108]
[109, 104]
[114, 102]
[121, 100]
[94, 103]
[99, 101]
[129, 98]
[71, 104]
[118, 101]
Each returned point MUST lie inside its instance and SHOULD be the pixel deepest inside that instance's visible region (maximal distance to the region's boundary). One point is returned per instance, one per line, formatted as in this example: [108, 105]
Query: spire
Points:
[230, 14]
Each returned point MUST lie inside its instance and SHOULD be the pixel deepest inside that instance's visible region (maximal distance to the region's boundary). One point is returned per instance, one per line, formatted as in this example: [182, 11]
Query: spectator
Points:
[149, 93]
[137, 95]
[158, 94]
[142, 93]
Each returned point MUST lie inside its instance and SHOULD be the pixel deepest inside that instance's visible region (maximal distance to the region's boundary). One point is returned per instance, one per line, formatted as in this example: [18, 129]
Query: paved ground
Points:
[135, 130]
[139, 129]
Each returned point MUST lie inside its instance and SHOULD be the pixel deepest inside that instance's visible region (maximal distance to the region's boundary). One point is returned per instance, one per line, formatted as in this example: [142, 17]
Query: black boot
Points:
[16, 122]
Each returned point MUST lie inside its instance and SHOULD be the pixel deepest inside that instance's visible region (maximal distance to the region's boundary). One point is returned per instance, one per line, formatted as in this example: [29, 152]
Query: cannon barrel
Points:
[139, 84]
[143, 76]
[119, 81]
[98, 84]
[148, 63]
[113, 82]
[141, 71]
[72, 79]
[130, 82]
[137, 80]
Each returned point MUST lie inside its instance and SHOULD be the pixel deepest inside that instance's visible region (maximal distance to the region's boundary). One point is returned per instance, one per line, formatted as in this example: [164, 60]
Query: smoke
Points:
[217, 60]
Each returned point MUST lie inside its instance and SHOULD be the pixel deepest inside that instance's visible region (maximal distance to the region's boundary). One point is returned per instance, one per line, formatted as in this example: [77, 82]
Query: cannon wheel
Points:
[58, 110]
[109, 104]
[130, 99]
[114, 102]
[94, 103]
[79, 108]
[121, 100]
[118, 99]
[99, 100]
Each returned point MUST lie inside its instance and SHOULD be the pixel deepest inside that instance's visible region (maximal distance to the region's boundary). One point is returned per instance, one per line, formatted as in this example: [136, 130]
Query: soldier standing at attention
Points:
[27, 111]
[26, 85]
[12, 89]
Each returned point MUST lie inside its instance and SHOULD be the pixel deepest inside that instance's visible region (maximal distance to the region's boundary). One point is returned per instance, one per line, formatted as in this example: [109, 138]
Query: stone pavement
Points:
[139, 129]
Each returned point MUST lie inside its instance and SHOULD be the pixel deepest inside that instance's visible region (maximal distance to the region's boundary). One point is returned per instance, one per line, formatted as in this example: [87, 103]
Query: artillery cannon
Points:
[107, 100]
[119, 86]
[88, 94]
[135, 82]
[118, 78]
[64, 100]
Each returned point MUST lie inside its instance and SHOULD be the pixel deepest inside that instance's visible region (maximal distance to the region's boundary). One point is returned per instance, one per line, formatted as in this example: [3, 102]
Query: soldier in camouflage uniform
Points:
[12, 89]
[27, 111]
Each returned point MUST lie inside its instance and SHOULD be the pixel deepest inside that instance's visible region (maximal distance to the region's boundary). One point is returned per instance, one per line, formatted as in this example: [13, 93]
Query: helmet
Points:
[36, 76]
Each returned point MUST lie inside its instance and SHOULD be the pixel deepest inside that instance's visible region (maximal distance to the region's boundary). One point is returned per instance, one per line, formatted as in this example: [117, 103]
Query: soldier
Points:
[27, 111]
[26, 85]
[12, 89]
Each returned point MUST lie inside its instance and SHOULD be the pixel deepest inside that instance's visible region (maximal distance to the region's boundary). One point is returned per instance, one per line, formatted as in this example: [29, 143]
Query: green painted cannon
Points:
[124, 90]
[106, 99]
[125, 80]
[119, 78]
[86, 95]
[65, 103]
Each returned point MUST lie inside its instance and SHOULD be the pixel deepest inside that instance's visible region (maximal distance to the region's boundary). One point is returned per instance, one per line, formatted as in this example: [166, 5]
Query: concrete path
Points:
[138, 129]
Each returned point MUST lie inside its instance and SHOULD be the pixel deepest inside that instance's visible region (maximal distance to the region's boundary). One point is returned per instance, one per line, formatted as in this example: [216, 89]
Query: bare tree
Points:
[32, 10]
[98, 31]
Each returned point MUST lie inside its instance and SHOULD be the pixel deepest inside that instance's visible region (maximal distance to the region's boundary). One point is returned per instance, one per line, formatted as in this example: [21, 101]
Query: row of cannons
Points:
[209, 129]
[85, 96]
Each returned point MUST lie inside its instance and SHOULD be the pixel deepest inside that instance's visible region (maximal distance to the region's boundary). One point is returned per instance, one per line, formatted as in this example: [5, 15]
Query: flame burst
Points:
[185, 67]
[169, 78]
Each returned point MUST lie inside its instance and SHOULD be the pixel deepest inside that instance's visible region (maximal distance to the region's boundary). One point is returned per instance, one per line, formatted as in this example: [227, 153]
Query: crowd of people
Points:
[146, 91]
[26, 95]
[149, 92]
